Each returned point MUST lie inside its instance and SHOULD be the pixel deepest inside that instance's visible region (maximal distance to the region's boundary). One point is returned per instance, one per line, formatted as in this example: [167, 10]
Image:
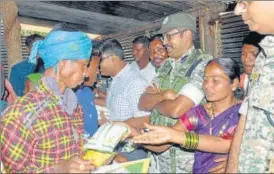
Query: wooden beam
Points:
[12, 31]
[99, 23]
[49, 23]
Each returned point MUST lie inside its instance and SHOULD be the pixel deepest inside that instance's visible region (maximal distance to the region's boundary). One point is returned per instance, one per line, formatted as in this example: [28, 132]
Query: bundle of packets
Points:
[138, 166]
[100, 147]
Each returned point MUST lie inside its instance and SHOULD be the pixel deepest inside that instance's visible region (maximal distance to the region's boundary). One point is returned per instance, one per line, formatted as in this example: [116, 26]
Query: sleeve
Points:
[193, 89]
[138, 87]
[262, 95]
[14, 75]
[190, 120]
[17, 142]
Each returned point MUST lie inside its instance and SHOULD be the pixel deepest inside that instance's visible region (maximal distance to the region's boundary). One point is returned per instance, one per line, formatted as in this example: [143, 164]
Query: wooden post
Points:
[12, 31]
[202, 32]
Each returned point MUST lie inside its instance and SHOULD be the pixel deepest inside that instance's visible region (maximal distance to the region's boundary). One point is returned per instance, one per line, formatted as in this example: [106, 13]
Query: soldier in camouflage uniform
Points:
[253, 145]
[178, 88]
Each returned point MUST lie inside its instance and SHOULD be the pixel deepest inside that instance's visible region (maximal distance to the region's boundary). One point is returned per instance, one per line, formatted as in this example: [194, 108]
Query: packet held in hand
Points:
[107, 137]
[99, 158]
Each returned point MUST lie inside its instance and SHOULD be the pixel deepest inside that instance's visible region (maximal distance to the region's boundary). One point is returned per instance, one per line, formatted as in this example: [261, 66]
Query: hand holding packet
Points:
[107, 137]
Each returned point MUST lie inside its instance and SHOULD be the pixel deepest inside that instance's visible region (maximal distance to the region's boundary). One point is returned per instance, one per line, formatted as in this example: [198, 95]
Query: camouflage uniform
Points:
[257, 147]
[174, 75]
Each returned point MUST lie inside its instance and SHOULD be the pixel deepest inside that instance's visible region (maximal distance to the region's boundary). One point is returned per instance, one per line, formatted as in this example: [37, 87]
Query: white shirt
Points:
[149, 72]
[124, 94]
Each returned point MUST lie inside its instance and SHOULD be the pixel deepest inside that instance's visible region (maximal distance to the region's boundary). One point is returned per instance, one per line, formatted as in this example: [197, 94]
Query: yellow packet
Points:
[99, 158]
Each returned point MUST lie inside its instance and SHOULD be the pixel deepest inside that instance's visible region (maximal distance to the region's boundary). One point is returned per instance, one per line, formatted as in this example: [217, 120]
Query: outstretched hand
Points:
[155, 135]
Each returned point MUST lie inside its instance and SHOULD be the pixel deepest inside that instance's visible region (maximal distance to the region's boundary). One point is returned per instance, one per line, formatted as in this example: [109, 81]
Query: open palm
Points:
[155, 135]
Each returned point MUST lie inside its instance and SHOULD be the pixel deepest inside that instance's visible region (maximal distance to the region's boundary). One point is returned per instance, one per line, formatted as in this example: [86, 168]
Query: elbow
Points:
[142, 105]
[177, 112]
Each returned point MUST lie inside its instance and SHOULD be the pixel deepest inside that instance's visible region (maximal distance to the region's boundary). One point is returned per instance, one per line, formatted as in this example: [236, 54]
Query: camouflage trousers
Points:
[257, 147]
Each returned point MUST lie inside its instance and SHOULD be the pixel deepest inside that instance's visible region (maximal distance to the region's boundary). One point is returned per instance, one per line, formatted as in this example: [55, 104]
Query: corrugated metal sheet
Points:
[233, 31]
[3, 51]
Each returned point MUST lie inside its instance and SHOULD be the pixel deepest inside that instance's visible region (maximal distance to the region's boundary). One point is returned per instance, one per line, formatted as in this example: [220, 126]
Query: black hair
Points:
[229, 66]
[253, 38]
[64, 27]
[112, 46]
[28, 42]
[32, 38]
[156, 37]
[95, 48]
[141, 40]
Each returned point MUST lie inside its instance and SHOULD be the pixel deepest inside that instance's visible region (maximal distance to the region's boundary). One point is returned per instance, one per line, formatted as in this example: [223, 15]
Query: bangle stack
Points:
[192, 141]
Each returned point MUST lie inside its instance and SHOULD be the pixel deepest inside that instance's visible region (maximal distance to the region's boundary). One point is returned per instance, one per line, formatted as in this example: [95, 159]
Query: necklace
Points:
[212, 116]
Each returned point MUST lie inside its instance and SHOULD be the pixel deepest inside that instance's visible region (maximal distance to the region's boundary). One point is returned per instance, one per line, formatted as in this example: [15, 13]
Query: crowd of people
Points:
[182, 105]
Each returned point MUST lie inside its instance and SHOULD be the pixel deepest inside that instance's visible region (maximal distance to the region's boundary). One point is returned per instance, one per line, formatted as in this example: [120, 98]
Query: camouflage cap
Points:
[178, 20]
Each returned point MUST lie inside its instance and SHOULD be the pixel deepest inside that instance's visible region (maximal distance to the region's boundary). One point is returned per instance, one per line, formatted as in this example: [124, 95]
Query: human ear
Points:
[235, 84]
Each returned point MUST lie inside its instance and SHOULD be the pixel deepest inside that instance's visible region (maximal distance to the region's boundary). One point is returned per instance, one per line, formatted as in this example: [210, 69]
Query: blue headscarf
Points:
[60, 45]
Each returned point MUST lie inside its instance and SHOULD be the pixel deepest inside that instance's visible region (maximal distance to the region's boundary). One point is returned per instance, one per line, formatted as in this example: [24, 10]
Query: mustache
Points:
[161, 58]
[167, 46]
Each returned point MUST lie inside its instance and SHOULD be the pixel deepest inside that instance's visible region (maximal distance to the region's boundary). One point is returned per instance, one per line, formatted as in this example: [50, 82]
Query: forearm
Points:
[137, 123]
[175, 108]
[149, 100]
[232, 165]
[207, 143]
[157, 149]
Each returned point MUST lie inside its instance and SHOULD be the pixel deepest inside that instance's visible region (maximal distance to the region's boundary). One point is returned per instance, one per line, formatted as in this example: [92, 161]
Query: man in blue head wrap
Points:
[22, 69]
[42, 131]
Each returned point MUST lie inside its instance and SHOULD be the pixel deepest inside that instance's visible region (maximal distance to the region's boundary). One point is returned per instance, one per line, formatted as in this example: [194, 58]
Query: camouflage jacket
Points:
[257, 147]
[174, 74]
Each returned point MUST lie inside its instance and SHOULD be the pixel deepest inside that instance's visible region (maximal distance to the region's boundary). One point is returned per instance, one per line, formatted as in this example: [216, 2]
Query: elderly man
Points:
[253, 144]
[178, 88]
[126, 88]
[157, 51]
[42, 131]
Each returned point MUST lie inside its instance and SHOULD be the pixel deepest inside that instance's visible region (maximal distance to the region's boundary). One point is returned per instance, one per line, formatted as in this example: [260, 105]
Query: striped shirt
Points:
[124, 94]
[38, 132]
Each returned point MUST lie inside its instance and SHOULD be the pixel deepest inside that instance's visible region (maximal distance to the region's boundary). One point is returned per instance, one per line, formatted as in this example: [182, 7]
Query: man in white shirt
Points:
[125, 90]
[140, 50]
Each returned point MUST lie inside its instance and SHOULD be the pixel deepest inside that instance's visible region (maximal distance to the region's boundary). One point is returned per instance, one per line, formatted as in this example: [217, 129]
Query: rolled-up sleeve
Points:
[194, 88]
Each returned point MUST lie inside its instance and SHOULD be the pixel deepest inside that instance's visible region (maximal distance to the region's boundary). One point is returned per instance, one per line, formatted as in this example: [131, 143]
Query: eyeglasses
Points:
[168, 36]
[105, 57]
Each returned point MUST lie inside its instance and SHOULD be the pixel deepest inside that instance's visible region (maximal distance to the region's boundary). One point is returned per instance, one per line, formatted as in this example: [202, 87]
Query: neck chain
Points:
[212, 114]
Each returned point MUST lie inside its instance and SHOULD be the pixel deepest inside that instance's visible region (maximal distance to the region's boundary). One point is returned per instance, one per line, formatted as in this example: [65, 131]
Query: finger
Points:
[217, 168]
[148, 126]
[220, 159]
[222, 170]
[148, 138]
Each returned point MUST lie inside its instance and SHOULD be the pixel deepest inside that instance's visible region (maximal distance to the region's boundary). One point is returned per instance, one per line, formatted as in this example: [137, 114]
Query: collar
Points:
[267, 45]
[184, 57]
[122, 72]
[49, 86]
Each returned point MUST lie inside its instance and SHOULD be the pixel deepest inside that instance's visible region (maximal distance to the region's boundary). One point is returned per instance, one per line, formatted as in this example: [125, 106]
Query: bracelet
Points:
[191, 141]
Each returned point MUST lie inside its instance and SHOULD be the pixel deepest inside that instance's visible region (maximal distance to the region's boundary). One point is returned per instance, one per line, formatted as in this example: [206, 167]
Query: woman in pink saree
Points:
[206, 129]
